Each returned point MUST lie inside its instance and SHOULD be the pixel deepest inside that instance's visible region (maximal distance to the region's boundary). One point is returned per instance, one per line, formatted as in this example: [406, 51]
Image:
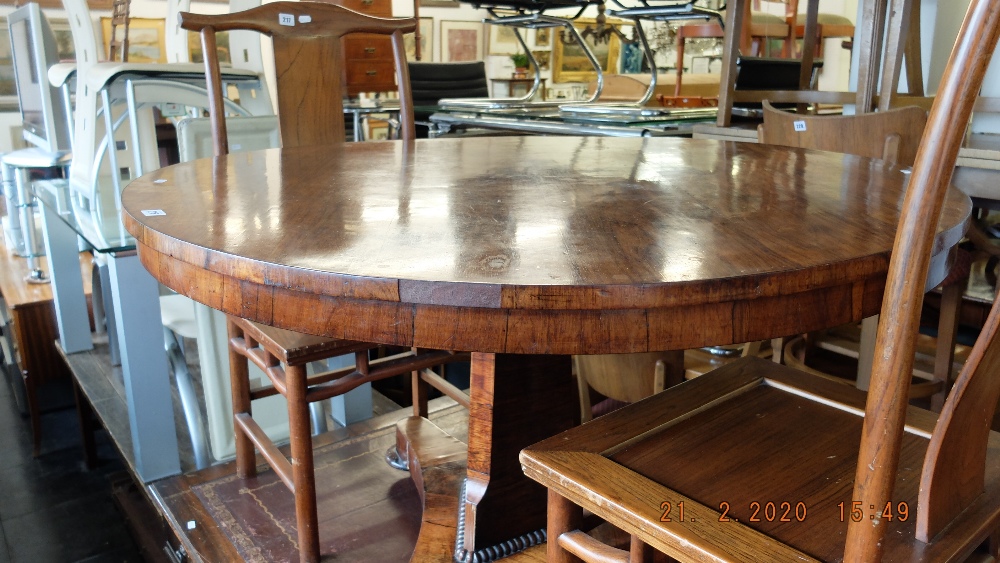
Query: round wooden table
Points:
[524, 250]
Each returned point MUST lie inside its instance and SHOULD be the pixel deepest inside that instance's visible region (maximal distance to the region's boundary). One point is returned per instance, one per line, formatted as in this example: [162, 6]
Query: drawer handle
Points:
[370, 73]
[367, 2]
[370, 50]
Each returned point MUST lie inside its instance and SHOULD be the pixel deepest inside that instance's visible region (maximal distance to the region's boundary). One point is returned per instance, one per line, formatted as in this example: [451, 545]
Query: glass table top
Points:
[99, 225]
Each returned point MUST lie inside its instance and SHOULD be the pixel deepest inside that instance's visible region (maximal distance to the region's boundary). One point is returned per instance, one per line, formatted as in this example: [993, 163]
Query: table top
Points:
[530, 244]
[18, 293]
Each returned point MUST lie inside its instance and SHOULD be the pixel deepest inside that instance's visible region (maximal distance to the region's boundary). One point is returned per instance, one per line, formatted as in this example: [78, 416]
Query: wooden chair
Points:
[827, 25]
[810, 469]
[307, 50]
[118, 42]
[625, 378]
[886, 38]
[893, 136]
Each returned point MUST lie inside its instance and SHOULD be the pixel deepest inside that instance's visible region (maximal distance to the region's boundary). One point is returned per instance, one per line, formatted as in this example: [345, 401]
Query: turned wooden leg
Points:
[303, 473]
[239, 383]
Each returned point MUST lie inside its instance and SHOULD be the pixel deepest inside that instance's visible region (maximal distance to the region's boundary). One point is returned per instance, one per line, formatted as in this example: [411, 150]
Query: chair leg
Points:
[639, 551]
[944, 354]
[303, 474]
[418, 390]
[239, 379]
[563, 516]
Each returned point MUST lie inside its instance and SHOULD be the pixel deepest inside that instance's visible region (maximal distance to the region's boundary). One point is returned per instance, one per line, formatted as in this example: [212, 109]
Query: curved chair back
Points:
[954, 468]
[891, 135]
[307, 56]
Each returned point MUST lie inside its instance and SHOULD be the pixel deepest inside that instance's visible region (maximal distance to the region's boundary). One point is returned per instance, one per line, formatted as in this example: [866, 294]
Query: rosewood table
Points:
[524, 250]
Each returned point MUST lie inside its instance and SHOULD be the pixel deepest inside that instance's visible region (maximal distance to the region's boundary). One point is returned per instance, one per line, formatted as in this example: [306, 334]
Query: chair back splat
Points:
[307, 54]
[891, 135]
[911, 485]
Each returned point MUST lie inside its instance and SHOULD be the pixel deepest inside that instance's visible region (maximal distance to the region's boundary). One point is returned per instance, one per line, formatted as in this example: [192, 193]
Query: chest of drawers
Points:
[368, 65]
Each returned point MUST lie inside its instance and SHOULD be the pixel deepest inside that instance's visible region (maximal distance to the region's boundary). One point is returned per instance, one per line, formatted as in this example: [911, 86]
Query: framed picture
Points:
[378, 130]
[426, 40]
[194, 47]
[570, 63]
[543, 37]
[503, 40]
[57, 4]
[461, 41]
[439, 4]
[8, 87]
[542, 58]
[146, 39]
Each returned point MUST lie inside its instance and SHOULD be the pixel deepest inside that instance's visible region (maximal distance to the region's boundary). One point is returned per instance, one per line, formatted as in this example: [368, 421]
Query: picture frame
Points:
[503, 40]
[543, 59]
[195, 54]
[439, 4]
[570, 63]
[543, 37]
[8, 87]
[378, 130]
[426, 41]
[146, 39]
[57, 4]
[461, 41]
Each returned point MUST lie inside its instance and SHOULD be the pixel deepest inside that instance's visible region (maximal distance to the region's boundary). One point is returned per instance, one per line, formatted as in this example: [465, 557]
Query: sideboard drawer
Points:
[367, 46]
[371, 76]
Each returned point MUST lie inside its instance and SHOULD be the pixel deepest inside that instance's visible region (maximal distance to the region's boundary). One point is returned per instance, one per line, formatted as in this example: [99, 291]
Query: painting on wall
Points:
[146, 39]
[198, 56]
[57, 4]
[64, 47]
[570, 62]
[543, 37]
[542, 58]
[426, 40]
[503, 40]
[461, 41]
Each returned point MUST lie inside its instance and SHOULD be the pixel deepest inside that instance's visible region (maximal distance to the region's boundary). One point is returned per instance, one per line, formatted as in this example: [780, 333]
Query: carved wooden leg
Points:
[516, 400]
[303, 474]
[239, 382]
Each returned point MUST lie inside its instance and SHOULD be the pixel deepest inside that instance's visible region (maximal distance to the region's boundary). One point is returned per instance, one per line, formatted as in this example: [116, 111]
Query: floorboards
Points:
[51, 508]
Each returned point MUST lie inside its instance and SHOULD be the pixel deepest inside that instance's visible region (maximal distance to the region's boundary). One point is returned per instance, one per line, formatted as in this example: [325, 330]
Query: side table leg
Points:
[144, 365]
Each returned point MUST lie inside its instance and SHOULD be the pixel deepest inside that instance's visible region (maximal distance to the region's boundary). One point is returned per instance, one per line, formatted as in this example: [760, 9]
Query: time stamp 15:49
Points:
[791, 512]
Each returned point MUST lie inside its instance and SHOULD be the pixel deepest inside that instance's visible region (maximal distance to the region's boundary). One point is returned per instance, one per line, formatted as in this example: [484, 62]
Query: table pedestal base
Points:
[516, 400]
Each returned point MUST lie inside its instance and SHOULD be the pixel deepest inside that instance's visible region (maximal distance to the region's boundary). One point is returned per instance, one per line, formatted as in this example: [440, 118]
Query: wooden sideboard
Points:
[368, 63]
[33, 320]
